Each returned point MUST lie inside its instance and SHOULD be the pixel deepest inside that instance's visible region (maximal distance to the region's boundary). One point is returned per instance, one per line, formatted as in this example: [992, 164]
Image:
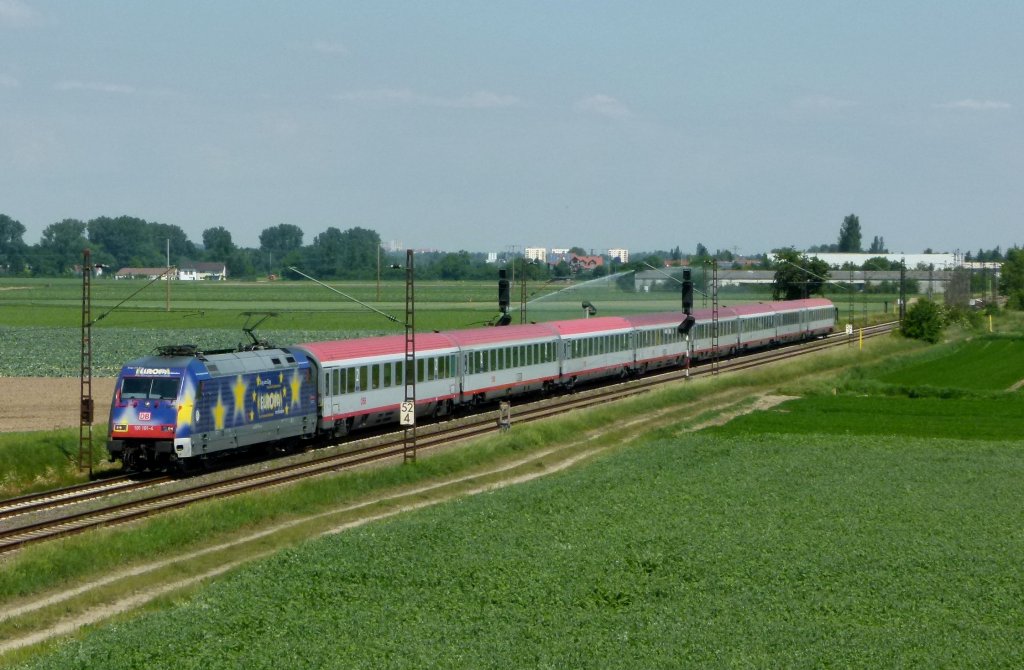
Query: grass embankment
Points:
[800, 536]
[45, 460]
[91, 556]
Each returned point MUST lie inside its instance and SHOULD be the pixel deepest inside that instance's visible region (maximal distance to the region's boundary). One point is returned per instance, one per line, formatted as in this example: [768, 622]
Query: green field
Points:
[844, 528]
[989, 363]
[730, 549]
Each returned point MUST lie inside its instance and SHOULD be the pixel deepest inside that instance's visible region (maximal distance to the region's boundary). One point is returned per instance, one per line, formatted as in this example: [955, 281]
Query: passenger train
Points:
[182, 406]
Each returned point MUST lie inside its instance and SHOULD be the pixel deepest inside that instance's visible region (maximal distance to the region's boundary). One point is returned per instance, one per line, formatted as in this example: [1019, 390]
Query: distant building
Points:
[536, 254]
[191, 271]
[492, 256]
[938, 261]
[583, 263]
[139, 273]
[621, 255]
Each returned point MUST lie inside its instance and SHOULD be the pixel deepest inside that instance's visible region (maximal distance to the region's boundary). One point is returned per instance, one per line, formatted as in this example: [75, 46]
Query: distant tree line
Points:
[355, 253]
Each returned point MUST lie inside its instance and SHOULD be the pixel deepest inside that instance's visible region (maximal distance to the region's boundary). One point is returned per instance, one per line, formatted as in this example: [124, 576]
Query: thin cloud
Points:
[485, 100]
[823, 102]
[604, 105]
[328, 47]
[407, 97]
[7, 81]
[975, 105]
[15, 13]
[93, 86]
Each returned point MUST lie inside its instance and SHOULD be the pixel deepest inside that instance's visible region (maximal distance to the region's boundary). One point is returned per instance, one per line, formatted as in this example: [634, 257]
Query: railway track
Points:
[45, 500]
[58, 513]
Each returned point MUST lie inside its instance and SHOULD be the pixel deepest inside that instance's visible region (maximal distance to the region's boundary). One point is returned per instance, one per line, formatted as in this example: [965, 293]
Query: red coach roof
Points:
[661, 318]
[595, 324]
[497, 334]
[374, 346]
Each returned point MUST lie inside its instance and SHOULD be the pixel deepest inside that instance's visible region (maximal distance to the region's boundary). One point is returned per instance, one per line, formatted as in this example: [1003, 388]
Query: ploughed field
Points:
[44, 403]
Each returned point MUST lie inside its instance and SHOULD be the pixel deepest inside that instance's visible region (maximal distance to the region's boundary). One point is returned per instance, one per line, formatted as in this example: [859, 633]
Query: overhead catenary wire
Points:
[389, 317]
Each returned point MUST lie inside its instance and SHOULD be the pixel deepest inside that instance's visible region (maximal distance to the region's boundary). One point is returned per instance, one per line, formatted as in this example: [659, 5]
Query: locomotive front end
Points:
[150, 398]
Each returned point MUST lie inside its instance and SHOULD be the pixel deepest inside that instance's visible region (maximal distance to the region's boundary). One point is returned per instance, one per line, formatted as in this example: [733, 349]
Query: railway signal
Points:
[688, 320]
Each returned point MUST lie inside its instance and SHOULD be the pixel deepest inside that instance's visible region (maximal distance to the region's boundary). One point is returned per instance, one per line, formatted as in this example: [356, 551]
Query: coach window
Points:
[336, 374]
[386, 382]
[363, 380]
[375, 376]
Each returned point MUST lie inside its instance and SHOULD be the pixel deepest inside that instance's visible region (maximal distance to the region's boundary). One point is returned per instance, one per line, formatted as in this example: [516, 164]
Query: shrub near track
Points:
[759, 543]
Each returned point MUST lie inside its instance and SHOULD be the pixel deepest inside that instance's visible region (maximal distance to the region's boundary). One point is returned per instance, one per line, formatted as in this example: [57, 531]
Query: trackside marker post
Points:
[408, 413]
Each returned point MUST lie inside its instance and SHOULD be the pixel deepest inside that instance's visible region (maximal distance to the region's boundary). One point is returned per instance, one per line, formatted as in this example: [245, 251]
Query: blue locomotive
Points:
[181, 405]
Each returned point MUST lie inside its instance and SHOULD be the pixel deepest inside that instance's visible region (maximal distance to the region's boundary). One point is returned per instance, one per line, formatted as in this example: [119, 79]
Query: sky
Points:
[495, 126]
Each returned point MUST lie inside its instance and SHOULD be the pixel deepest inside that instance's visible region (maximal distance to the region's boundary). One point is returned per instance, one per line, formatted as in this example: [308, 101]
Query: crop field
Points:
[773, 549]
[844, 528]
[986, 363]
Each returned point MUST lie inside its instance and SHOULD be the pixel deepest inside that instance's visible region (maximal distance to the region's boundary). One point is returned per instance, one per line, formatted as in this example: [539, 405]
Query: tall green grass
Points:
[45, 460]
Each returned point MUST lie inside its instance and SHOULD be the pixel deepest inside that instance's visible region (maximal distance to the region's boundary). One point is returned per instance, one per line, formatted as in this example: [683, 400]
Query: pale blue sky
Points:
[555, 123]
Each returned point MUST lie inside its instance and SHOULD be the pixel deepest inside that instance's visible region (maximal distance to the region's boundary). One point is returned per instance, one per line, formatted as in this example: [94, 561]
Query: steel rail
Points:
[43, 500]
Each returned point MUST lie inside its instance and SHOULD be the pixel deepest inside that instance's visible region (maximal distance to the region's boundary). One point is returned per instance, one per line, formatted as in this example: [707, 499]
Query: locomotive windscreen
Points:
[152, 388]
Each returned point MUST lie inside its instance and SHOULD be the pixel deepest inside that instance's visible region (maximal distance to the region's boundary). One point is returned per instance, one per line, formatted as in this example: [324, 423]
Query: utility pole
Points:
[714, 318]
[408, 413]
[87, 405]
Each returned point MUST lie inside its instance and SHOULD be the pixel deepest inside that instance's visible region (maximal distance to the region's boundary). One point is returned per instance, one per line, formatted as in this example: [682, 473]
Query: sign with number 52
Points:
[407, 413]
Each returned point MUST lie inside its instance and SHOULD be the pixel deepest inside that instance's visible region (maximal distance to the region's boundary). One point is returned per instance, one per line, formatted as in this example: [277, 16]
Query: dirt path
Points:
[45, 403]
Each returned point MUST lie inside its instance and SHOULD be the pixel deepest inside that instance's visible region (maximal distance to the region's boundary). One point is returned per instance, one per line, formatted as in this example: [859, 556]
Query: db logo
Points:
[145, 416]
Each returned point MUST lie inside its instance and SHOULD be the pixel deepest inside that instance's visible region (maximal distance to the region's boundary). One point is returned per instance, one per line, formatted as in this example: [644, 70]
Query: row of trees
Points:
[355, 253]
[127, 241]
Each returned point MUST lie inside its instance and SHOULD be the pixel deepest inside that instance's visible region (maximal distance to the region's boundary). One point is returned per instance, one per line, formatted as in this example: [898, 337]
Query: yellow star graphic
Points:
[238, 389]
[185, 408]
[218, 413]
[296, 385]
